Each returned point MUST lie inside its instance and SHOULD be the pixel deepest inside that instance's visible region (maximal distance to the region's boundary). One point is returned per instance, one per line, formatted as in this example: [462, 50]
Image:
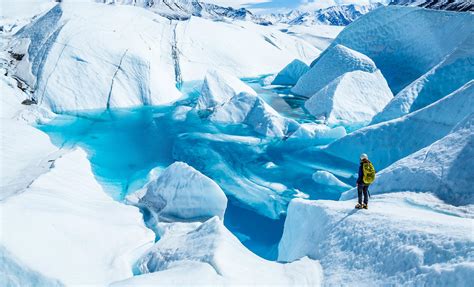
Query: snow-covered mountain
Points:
[336, 15]
[451, 5]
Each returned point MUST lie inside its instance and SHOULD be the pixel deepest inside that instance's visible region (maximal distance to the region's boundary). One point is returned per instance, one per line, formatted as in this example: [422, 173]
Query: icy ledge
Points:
[208, 253]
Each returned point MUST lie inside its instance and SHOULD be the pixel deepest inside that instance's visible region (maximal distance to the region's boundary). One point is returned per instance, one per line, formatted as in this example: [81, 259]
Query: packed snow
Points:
[351, 99]
[390, 141]
[183, 193]
[403, 239]
[291, 73]
[220, 87]
[334, 62]
[221, 250]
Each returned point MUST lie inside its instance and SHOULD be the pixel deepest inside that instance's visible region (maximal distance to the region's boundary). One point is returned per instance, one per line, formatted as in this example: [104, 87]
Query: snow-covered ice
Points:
[211, 244]
[66, 227]
[183, 193]
[334, 62]
[220, 87]
[351, 100]
[327, 178]
[390, 141]
[406, 239]
[255, 112]
[291, 73]
[444, 168]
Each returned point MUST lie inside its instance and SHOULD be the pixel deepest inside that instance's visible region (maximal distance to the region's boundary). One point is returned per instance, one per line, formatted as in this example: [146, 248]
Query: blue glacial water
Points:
[123, 145]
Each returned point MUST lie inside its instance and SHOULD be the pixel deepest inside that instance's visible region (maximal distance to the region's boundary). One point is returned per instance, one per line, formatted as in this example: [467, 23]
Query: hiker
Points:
[366, 177]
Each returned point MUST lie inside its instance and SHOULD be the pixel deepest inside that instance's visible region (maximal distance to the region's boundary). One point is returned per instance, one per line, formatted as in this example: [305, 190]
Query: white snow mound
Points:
[183, 193]
[219, 87]
[331, 64]
[255, 112]
[351, 99]
[65, 226]
[403, 239]
[222, 251]
[291, 73]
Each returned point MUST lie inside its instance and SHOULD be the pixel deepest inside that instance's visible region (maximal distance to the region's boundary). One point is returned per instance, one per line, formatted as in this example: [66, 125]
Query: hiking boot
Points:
[365, 206]
[358, 206]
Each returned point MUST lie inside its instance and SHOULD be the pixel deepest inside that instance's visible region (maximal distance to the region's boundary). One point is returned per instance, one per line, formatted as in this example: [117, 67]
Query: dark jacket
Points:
[360, 179]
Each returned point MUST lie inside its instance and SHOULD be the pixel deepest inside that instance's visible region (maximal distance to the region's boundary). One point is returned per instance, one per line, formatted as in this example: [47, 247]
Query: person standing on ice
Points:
[366, 177]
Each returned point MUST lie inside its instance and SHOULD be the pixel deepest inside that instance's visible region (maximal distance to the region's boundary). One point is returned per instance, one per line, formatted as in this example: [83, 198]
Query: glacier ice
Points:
[64, 214]
[291, 73]
[327, 178]
[183, 193]
[220, 87]
[350, 100]
[221, 250]
[390, 141]
[403, 239]
[450, 74]
[253, 111]
[444, 168]
[334, 62]
[396, 39]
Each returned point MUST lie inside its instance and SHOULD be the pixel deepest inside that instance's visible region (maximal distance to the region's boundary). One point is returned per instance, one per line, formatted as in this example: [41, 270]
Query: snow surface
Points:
[291, 73]
[449, 75]
[139, 64]
[406, 42]
[253, 111]
[212, 245]
[183, 193]
[334, 62]
[390, 141]
[320, 36]
[351, 99]
[218, 88]
[403, 239]
[444, 168]
[65, 226]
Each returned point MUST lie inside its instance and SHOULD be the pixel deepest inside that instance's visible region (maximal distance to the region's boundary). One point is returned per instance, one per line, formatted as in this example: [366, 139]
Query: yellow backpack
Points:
[369, 172]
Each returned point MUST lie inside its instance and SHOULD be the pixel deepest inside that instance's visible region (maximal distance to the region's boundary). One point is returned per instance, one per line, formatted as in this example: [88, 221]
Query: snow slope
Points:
[452, 5]
[65, 226]
[66, 42]
[396, 39]
[334, 62]
[350, 100]
[444, 168]
[211, 244]
[183, 193]
[404, 239]
[390, 141]
[444, 78]
[218, 88]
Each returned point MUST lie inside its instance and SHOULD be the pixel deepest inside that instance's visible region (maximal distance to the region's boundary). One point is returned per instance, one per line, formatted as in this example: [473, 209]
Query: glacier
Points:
[145, 145]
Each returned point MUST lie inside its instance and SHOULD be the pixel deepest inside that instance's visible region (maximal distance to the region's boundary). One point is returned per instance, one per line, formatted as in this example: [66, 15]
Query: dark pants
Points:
[363, 189]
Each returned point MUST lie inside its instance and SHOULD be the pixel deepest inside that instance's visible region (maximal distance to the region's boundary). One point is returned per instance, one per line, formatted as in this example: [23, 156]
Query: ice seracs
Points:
[219, 87]
[434, 122]
[351, 99]
[183, 193]
[444, 168]
[291, 73]
[221, 256]
[334, 62]
[253, 111]
[327, 178]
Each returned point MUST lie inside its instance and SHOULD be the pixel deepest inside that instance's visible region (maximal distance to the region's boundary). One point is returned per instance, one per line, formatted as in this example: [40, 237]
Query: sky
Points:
[282, 5]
